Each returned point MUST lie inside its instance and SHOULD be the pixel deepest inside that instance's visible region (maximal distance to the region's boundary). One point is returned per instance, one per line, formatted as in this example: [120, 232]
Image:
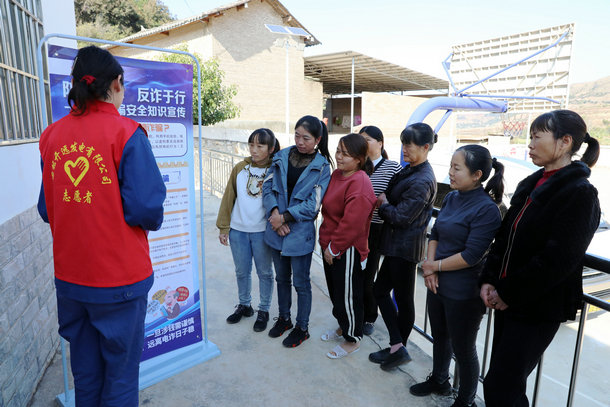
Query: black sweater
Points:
[544, 256]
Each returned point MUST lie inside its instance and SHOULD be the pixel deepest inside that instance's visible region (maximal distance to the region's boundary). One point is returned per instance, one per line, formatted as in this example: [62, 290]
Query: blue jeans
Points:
[244, 246]
[285, 267]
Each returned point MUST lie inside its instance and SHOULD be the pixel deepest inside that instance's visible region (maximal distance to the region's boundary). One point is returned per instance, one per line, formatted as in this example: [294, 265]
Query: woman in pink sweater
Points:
[347, 209]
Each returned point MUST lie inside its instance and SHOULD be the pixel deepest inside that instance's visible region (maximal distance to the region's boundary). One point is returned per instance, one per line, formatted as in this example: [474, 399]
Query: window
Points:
[20, 31]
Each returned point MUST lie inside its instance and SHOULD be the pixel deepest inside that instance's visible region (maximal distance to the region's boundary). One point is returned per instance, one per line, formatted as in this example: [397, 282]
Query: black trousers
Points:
[399, 275]
[344, 279]
[518, 345]
[454, 325]
[372, 266]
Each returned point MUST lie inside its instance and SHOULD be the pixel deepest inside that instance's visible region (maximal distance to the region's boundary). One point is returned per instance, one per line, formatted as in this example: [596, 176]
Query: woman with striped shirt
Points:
[383, 172]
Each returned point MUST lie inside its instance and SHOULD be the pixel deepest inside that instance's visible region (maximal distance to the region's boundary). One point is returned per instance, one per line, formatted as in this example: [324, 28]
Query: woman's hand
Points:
[490, 297]
[276, 220]
[430, 273]
[431, 282]
[328, 257]
[496, 301]
[429, 267]
[283, 230]
[224, 239]
[486, 290]
[382, 199]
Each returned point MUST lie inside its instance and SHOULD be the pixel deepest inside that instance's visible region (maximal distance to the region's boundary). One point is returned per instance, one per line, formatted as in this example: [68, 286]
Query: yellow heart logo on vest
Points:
[79, 167]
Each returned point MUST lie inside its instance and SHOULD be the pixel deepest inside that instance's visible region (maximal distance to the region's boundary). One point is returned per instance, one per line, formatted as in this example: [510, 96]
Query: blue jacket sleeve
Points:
[42, 205]
[269, 199]
[141, 184]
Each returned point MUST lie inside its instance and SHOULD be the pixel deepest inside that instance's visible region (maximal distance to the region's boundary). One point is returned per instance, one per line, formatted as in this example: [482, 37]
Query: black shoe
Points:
[379, 356]
[431, 386]
[281, 325]
[296, 337]
[368, 328]
[261, 321]
[240, 311]
[396, 359]
[460, 403]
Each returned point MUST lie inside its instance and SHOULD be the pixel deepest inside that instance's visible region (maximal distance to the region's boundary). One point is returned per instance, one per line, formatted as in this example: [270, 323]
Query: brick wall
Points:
[28, 316]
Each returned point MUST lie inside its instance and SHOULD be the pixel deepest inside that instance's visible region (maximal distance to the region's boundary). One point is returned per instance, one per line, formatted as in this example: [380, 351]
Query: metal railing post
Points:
[578, 348]
[486, 346]
[537, 381]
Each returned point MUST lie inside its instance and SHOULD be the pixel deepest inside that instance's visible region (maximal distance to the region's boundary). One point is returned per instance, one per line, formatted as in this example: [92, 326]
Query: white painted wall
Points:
[20, 164]
[20, 186]
[58, 18]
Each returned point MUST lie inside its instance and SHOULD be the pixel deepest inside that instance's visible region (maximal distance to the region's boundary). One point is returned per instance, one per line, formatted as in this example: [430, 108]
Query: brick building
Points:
[253, 58]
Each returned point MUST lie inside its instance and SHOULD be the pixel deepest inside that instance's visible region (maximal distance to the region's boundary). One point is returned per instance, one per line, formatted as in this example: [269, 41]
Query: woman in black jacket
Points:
[533, 274]
[406, 209]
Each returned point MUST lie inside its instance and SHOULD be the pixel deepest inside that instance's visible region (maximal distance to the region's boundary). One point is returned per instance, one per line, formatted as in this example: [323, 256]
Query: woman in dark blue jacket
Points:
[462, 233]
[533, 274]
[292, 195]
[406, 210]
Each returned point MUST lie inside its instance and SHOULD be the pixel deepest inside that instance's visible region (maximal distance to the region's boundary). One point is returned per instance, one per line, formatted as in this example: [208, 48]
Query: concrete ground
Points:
[256, 370]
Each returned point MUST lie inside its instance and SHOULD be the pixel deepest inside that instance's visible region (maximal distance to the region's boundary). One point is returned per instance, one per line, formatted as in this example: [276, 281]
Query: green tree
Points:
[153, 12]
[112, 20]
[217, 100]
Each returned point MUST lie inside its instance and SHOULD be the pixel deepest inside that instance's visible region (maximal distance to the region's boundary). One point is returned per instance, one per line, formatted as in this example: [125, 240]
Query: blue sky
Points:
[419, 34]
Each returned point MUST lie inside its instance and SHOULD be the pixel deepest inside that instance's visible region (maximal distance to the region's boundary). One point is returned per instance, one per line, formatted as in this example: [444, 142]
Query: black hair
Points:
[478, 158]
[419, 134]
[265, 136]
[567, 122]
[376, 133]
[93, 71]
[318, 130]
[357, 148]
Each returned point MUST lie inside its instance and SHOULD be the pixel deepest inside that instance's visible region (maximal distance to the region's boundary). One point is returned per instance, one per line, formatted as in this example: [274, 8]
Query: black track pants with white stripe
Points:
[345, 280]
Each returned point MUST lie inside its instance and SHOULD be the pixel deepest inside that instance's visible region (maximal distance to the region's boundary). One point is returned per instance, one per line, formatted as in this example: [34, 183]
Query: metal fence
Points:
[217, 166]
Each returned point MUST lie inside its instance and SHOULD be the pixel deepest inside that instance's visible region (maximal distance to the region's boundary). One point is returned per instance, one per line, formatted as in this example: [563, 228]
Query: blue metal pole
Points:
[516, 63]
[445, 64]
[455, 103]
[201, 228]
[443, 120]
[511, 97]
[64, 365]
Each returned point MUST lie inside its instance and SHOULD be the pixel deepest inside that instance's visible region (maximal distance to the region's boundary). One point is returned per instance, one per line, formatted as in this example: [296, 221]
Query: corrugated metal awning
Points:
[371, 74]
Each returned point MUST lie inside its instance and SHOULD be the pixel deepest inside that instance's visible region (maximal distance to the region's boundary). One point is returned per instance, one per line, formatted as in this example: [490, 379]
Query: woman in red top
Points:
[347, 209]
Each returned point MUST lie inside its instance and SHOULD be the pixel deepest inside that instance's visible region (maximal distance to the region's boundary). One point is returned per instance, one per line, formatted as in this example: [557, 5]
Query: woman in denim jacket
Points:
[292, 195]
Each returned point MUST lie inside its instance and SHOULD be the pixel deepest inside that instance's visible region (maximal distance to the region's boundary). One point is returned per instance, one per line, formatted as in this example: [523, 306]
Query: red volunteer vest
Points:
[92, 244]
